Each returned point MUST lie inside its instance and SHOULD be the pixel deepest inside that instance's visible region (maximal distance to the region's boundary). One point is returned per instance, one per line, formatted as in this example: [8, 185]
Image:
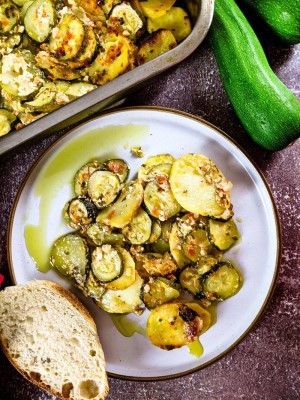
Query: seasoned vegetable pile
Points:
[150, 242]
[54, 51]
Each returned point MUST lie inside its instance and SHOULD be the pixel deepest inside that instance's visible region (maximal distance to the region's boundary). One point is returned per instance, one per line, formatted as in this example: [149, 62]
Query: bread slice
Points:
[51, 339]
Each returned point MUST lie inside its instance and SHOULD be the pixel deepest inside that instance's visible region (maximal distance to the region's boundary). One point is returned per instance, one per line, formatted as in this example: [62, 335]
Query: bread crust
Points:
[60, 291]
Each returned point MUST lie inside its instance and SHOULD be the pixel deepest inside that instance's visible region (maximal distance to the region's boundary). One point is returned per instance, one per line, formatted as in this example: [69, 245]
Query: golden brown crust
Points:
[74, 301]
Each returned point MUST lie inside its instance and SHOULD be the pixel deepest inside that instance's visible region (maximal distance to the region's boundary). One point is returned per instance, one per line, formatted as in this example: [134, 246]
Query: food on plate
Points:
[160, 238]
[52, 340]
[267, 109]
[53, 52]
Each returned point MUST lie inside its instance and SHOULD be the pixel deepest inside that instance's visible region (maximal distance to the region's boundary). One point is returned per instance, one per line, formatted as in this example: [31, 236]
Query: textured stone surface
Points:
[265, 365]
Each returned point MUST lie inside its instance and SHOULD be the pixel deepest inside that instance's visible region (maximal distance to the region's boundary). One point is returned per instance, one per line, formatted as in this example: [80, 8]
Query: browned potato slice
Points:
[157, 43]
[203, 313]
[58, 69]
[156, 8]
[176, 20]
[200, 187]
[173, 325]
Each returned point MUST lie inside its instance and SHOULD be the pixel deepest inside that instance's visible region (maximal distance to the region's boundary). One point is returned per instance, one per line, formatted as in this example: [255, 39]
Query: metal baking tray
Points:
[201, 12]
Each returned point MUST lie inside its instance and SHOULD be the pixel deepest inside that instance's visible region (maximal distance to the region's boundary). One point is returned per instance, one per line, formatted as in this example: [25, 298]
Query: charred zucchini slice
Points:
[56, 68]
[196, 244]
[221, 282]
[223, 235]
[138, 231]
[45, 99]
[66, 40]
[70, 256]
[122, 301]
[106, 263]
[189, 279]
[118, 167]
[120, 213]
[159, 291]
[125, 19]
[154, 45]
[176, 20]
[200, 187]
[79, 89]
[96, 233]
[80, 212]
[103, 188]
[39, 19]
[6, 120]
[83, 175]
[173, 325]
[9, 16]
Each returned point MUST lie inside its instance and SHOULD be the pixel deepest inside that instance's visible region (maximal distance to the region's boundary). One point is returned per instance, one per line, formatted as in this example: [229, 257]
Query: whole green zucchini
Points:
[281, 16]
[267, 109]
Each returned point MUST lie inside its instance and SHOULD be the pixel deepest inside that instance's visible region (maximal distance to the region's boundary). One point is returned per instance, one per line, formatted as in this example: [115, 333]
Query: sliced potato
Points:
[154, 45]
[199, 186]
[156, 8]
[173, 325]
[176, 20]
[223, 235]
[153, 161]
[203, 313]
[128, 275]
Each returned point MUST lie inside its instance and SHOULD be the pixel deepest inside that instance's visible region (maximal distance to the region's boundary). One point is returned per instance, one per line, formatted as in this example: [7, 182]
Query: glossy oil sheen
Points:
[102, 143]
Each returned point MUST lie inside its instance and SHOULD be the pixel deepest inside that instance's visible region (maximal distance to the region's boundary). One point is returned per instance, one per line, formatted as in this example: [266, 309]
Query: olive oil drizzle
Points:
[59, 172]
[126, 326]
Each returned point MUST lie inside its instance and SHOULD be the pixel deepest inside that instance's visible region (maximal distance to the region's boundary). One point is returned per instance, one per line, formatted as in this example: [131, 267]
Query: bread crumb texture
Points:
[49, 336]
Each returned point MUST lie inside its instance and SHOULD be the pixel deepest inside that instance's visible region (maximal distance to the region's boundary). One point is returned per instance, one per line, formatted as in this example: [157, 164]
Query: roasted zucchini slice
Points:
[223, 235]
[18, 67]
[70, 256]
[56, 68]
[92, 287]
[83, 175]
[155, 231]
[151, 162]
[138, 231]
[125, 19]
[154, 45]
[9, 16]
[103, 188]
[91, 44]
[221, 282]
[176, 20]
[78, 89]
[156, 8]
[107, 263]
[123, 301]
[200, 187]
[159, 291]
[45, 99]
[196, 244]
[120, 213]
[79, 213]
[67, 39]
[118, 167]
[9, 42]
[96, 233]
[173, 325]
[39, 19]
[6, 120]
[189, 279]
[128, 275]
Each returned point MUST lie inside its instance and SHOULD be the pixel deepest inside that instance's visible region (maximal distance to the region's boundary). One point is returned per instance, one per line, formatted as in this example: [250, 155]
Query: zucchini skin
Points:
[282, 17]
[268, 110]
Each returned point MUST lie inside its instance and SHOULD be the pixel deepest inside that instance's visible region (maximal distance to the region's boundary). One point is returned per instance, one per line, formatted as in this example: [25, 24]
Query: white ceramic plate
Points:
[37, 217]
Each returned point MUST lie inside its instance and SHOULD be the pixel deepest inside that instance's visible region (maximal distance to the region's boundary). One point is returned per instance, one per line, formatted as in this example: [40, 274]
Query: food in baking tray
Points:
[156, 242]
[54, 51]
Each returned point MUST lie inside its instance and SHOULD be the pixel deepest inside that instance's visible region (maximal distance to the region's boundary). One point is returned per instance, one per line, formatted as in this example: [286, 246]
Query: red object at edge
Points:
[1, 279]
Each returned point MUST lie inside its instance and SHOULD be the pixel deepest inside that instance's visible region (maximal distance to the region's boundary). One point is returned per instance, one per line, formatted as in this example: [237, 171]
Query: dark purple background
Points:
[265, 365]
